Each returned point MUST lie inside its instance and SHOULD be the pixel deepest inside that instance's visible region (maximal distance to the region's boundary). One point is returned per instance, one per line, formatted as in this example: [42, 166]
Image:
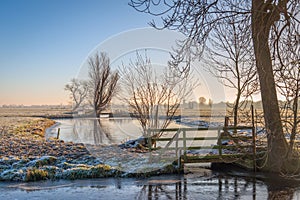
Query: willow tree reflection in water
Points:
[95, 131]
[105, 131]
[100, 132]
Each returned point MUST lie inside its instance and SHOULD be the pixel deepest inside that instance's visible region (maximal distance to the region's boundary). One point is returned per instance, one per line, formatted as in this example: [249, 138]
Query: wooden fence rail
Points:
[182, 135]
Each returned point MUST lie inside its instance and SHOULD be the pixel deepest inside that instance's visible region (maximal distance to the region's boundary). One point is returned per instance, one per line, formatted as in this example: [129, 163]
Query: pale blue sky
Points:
[44, 42]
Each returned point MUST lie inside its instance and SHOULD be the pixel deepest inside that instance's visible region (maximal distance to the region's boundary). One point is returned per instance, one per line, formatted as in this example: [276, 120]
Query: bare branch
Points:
[103, 82]
[78, 92]
[154, 99]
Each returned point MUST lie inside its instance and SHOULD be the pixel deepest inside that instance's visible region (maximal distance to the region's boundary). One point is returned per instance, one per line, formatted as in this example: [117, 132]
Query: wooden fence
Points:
[242, 145]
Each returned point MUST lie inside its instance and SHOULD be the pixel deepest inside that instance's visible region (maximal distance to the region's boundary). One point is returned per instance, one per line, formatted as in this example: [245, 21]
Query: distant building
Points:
[193, 105]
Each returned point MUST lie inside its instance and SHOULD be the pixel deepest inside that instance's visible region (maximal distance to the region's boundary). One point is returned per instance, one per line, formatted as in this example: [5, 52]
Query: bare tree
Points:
[103, 82]
[197, 19]
[287, 65]
[230, 58]
[265, 15]
[78, 91]
[151, 96]
[210, 103]
[202, 100]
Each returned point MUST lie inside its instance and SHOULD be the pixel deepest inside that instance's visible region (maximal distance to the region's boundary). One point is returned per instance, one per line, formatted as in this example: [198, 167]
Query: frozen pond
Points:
[216, 186]
[82, 130]
[112, 131]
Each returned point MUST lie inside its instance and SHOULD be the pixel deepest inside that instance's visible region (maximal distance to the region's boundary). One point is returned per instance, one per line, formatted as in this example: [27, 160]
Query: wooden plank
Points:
[238, 127]
[200, 129]
[199, 147]
[187, 139]
[215, 158]
[204, 138]
[237, 137]
[204, 147]
[200, 138]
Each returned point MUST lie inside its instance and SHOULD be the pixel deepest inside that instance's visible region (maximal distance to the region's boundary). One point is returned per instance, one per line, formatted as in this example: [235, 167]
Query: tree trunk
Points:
[295, 121]
[262, 20]
[236, 108]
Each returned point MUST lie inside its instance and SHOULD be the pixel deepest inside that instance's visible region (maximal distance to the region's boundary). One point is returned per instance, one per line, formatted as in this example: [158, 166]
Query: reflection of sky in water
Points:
[82, 130]
[116, 130]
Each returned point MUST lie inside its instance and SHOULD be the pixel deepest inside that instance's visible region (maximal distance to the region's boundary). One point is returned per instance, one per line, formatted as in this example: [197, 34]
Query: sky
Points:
[43, 44]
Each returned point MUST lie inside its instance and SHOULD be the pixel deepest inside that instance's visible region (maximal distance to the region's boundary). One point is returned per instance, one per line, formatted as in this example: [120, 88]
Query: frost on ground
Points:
[131, 162]
[25, 155]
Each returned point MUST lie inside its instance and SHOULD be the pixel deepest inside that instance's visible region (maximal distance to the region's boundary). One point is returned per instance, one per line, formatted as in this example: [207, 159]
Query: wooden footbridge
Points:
[227, 144]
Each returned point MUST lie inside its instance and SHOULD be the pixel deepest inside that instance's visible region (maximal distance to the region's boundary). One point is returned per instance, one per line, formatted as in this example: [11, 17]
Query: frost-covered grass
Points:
[25, 155]
[52, 168]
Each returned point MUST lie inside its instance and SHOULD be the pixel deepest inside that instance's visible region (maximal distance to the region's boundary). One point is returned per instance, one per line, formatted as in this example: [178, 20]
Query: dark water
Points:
[217, 186]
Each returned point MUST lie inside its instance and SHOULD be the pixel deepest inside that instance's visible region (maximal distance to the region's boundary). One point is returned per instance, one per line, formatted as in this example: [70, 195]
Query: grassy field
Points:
[47, 112]
[217, 114]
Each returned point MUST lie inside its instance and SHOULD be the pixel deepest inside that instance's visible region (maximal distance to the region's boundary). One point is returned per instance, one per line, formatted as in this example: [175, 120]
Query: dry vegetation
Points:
[24, 125]
[24, 137]
[35, 112]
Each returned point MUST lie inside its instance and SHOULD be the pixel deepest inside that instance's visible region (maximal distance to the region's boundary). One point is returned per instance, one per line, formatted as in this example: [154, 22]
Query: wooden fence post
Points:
[180, 167]
[219, 142]
[149, 139]
[253, 138]
[226, 124]
[176, 144]
[184, 144]
[58, 132]
[149, 144]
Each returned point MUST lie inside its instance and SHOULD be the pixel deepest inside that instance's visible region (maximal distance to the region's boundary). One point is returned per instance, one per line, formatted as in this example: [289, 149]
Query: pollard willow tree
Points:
[153, 97]
[197, 19]
[103, 86]
[98, 89]
[102, 82]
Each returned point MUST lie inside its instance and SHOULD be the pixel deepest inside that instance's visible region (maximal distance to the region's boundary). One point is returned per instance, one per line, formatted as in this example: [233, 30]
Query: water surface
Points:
[216, 186]
[223, 184]
[114, 131]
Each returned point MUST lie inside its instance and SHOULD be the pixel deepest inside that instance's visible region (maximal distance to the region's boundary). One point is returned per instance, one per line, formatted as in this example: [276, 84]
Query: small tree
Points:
[150, 95]
[290, 89]
[287, 74]
[230, 58]
[78, 91]
[210, 103]
[202, 100]
[102, 82]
